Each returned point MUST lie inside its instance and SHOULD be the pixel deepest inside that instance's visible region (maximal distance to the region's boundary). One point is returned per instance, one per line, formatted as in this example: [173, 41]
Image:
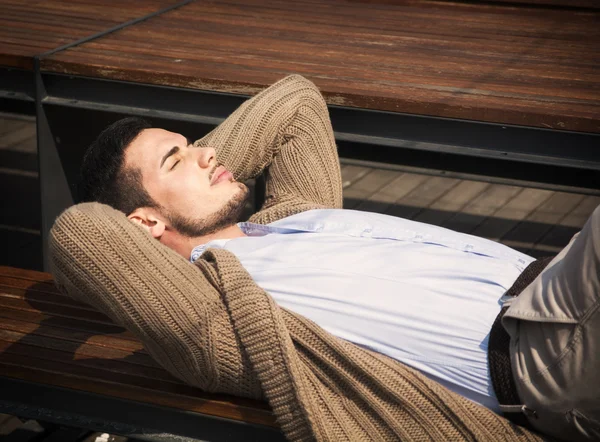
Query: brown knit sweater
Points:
[210, 325]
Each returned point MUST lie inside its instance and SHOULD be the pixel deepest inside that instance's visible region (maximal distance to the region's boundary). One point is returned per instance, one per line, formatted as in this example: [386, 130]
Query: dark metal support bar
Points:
[118, 416]
[54, 189]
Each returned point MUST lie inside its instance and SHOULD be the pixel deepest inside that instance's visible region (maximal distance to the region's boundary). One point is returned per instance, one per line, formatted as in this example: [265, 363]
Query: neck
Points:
[185, 244]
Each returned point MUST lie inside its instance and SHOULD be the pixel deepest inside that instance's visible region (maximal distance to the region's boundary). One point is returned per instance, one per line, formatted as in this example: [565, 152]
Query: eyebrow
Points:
[173, 151]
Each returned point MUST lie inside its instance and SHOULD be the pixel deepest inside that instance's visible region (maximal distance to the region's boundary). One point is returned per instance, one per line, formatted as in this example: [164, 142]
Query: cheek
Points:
[190, 194]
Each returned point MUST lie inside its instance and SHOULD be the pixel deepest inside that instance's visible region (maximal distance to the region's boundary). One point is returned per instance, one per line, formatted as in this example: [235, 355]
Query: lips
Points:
[220, 174]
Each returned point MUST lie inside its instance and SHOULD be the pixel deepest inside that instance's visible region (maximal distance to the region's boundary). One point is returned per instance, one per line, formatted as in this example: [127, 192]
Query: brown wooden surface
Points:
[479, 61]
[46, 337]
[30, 28]
[595, 4]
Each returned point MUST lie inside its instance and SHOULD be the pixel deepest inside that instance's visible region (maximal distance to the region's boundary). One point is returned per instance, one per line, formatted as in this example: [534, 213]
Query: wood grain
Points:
[490, 62]
[30, 28]
[47, 338]
[594, 4]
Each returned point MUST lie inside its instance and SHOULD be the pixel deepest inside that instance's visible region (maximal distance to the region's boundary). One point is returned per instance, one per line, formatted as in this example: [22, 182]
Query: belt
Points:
[503, 380]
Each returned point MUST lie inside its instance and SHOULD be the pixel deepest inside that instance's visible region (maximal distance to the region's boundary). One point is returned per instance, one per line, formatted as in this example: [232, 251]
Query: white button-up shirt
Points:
[421, 294]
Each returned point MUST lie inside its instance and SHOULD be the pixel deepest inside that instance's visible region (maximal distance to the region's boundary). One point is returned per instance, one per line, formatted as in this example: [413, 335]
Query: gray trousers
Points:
[554, 328]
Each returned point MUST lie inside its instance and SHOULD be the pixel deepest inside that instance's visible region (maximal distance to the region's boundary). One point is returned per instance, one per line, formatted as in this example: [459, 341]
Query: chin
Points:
[229, 214]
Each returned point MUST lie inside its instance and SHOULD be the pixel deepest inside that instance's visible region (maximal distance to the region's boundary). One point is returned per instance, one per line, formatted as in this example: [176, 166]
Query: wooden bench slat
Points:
[43, 287]
[76, 324]
[33, 299]
[28, 29]
[498, 63]
[55, 309]
[116, 369]
[34, 288]
[216, 405]
[105, 343]
[566, 3]
[55, 350]
[28, 275]
[113, 365]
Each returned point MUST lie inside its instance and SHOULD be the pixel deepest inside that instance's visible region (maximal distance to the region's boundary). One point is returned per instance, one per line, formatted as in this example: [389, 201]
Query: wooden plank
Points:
[39, 299]
[481, 207]
[452, 201]
[31, 28]
[9, 124]
[129, 363]
[365, 187]
[41, 318]
[422, 196]
[30, 275]
[45, 334]
[565, 3]
[17, 136]
[351, 174]
[20, 283]
[60, 310]
[66, 323]
[511, 213]
[467, 60]
[193, 400]
[561, 233]
[579, 216]
[382, 200]
[529, 231]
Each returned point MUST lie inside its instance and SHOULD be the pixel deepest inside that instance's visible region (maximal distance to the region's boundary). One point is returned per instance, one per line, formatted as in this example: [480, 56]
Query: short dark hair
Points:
[103, 177]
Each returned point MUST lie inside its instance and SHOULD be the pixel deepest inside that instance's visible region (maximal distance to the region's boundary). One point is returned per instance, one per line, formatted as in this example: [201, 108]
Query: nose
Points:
[206, 156]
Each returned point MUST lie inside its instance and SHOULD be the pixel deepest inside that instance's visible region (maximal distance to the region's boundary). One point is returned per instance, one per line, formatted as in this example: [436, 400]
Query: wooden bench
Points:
[62, 361]
[496, 63]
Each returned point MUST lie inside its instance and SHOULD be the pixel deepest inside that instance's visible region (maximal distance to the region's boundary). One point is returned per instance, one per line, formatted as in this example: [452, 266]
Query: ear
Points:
[149, 220]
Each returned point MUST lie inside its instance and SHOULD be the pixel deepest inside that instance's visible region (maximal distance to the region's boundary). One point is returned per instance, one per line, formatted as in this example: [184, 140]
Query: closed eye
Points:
[174, 164]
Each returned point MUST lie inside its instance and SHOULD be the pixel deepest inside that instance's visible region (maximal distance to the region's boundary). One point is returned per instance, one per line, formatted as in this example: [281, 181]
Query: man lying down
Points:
[414, 304]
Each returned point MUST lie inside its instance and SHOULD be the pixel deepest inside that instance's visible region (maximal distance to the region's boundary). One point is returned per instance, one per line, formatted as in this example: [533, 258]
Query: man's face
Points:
[197, 195]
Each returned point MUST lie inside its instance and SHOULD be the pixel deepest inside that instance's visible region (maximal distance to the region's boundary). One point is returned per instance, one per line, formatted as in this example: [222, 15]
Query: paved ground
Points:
[535, 221]
[538, 222]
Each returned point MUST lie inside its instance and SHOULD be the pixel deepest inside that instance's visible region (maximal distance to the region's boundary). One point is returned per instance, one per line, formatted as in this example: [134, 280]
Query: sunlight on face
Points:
[196, 194]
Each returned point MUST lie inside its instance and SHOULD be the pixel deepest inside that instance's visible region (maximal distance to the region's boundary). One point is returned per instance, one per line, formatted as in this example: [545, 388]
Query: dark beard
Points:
[227, 216]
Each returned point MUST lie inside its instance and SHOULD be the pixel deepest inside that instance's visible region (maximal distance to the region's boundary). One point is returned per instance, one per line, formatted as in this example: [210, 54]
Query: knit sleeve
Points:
[285, 131]
[101, 258]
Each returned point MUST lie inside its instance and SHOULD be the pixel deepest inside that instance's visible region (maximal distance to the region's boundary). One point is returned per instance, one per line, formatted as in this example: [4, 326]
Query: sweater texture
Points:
[211, 326]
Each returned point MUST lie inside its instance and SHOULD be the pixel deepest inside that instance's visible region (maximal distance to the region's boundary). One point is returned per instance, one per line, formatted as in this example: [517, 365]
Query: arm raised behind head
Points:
[101, 258]
[285, 131]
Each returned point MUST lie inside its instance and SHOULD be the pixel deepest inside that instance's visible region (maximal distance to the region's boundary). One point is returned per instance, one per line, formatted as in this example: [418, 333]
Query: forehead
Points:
[150, 145]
